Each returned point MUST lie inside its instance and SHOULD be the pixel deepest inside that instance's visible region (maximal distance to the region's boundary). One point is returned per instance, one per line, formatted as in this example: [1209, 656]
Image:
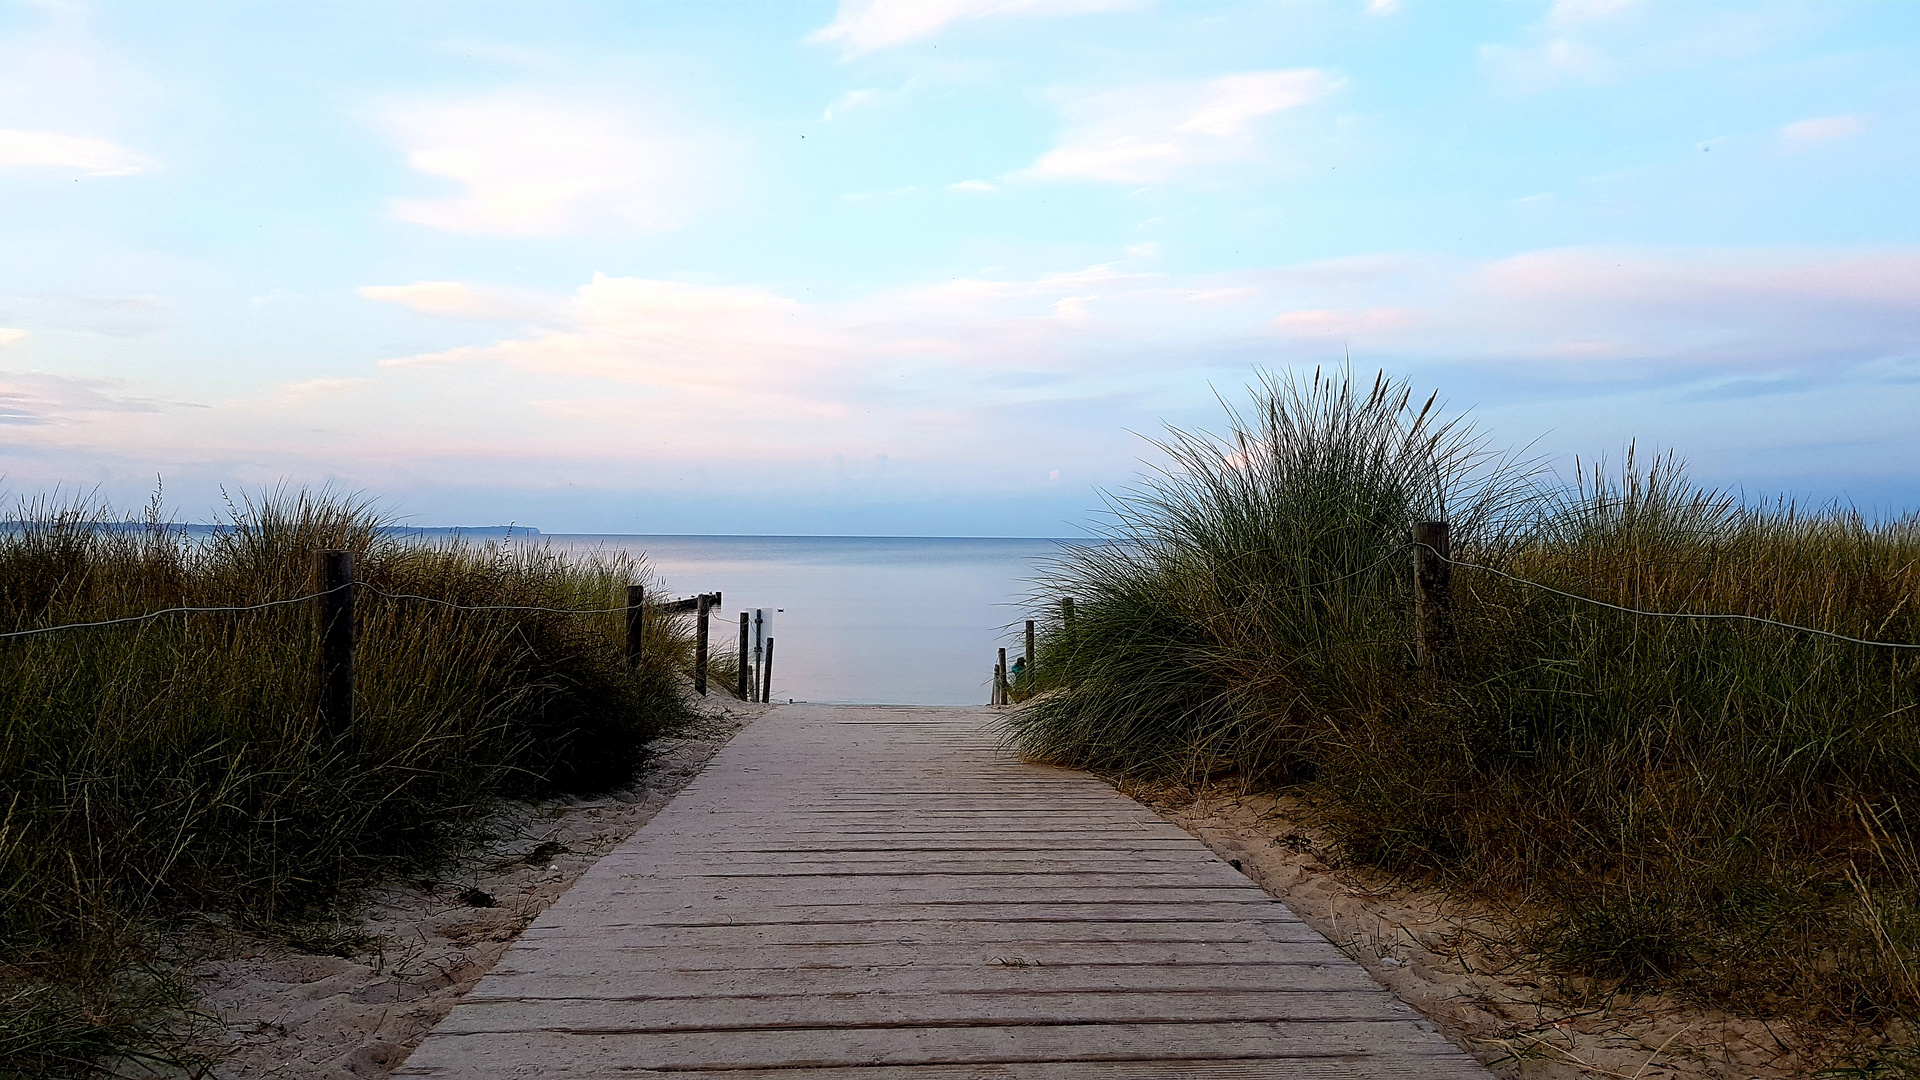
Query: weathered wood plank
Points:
[579, 976]
[883, 893]
[1386, 1045]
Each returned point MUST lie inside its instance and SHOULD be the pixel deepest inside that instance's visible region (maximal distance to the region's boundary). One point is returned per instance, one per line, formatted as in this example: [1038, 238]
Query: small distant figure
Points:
[1018, 677]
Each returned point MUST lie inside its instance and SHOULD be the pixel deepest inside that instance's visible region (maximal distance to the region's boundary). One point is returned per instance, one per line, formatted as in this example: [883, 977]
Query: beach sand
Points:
[1447, 959]
[352, 998]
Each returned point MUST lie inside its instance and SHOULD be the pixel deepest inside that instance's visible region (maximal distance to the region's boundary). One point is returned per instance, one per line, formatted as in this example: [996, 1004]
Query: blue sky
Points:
[927, 267]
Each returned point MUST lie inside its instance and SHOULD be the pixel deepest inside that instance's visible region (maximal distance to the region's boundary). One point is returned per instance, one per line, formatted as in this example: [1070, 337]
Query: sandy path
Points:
[353, 999]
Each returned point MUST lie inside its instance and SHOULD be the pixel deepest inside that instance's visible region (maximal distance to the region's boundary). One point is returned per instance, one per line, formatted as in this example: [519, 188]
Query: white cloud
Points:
[864, 26]
[851, 100]
[625, 382]
[88, 156]
[36, 399]
[9, 335]
[1605, 41]
[429, 297]
[1148, 133]
[1383, 7]
[974, 185]
[535, 166]
[459, 300]
[1802, 134]
[113, 316]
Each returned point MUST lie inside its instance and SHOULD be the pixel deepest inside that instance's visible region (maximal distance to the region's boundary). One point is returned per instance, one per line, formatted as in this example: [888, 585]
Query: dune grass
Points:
[178, 765]
[1719, 809]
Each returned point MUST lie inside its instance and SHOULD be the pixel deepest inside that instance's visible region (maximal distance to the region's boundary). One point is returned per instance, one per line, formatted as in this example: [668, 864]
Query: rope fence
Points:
[360, 585]
[334, 602]
[1728, 616]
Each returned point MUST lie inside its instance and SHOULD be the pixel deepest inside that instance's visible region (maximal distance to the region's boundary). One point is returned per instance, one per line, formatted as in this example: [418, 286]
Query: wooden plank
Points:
[582, 976]
[918, 934]
[645, 1014]
[882, 892]
[1383, 1044]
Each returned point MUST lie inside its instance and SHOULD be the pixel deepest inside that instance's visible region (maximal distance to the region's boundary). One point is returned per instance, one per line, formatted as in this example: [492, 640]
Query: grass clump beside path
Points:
[179, 765]
[1721, 809]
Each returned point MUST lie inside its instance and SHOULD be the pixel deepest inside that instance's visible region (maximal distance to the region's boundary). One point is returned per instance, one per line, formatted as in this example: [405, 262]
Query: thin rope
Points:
[303, 599]
[172, 611]
[491, 607]
[1668, 614]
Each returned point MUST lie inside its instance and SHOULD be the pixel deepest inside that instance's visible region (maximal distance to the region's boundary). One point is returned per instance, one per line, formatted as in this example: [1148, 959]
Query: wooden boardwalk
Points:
[879, 892]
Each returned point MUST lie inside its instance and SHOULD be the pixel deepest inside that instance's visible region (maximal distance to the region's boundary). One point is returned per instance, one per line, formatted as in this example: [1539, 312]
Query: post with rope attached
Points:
[1432, 598]
[636, 622]
[700, 646]
[742, 674]
[336, 640]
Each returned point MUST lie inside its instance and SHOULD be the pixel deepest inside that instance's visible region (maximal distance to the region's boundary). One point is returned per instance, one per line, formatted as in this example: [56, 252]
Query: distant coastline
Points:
[189, 528]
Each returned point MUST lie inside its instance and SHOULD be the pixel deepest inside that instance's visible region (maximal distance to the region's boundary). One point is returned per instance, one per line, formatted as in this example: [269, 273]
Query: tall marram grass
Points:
[178, 765]
[1721, 809]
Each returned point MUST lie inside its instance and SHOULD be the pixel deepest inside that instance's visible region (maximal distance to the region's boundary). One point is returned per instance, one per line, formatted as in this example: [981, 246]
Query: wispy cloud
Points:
[459, 300]
[1605, 41]
[530, 165]
[9, 335]
[36, 399]
[851, 100]
[864, 26]
[23, 150]
[1148, 133]
[1804, 134]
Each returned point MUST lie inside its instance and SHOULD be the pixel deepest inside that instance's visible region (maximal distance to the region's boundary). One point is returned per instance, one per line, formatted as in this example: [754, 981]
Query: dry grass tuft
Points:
[1717, 809]
[178, 765]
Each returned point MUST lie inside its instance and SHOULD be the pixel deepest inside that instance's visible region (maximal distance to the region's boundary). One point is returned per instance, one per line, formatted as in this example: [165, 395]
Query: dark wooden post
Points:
[1432, 597]
[740, 680]
[1066, 614]
[700, 645]
[1002, 681]
[336, 640]
[636, 622]
[1033, 657]
[766, 673]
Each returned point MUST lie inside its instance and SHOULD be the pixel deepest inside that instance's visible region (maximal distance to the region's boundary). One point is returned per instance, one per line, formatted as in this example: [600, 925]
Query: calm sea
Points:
[889, 620]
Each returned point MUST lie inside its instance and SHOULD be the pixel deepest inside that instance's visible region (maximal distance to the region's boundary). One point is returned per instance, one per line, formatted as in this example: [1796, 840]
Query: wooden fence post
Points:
[1033, 657]
[766, 673]
[700, 645]
[336, 640]
[1001, 681]
[1432, 597]
[741, 679]
[636, 623]
[1066, 614]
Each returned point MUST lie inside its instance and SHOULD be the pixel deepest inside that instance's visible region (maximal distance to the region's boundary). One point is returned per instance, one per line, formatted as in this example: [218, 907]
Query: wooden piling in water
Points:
[766, 673]
[700, 645]
[741, 679]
